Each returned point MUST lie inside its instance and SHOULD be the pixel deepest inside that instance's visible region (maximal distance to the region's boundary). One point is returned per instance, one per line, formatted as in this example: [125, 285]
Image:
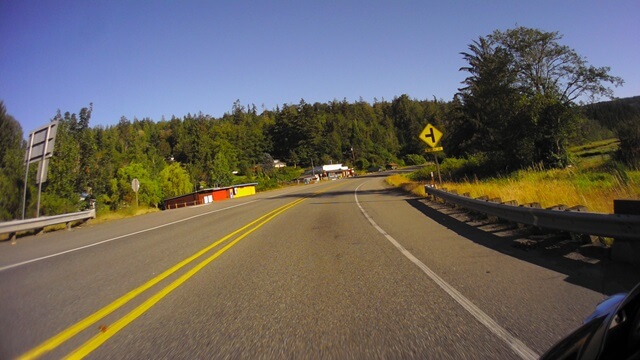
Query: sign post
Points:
[135, 185]
[432, 136]
[40, 149]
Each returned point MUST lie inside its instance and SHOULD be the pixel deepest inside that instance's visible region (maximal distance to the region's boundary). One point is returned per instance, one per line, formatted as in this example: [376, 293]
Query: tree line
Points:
[516, 108]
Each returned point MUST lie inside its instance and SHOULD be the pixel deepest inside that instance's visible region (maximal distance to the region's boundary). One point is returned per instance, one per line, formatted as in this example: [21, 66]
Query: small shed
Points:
[244, 189]
[202, 196]
[205, 196]
[220, 194]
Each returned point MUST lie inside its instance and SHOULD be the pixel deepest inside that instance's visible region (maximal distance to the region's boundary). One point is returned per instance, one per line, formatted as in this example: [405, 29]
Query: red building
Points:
[205, 196]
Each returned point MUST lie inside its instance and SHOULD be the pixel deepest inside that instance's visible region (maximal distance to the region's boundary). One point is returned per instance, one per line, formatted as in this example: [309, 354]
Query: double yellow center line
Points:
[108, 332]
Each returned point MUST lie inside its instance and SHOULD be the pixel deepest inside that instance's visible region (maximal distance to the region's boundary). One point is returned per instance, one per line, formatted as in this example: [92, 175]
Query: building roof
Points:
[331, 167]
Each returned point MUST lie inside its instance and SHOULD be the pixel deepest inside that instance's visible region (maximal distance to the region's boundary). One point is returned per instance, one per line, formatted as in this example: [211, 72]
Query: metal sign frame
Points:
[39, 149]
[41, 143]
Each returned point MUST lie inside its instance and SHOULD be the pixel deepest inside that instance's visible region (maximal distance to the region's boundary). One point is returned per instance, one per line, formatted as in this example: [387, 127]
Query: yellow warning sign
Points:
[431, 135]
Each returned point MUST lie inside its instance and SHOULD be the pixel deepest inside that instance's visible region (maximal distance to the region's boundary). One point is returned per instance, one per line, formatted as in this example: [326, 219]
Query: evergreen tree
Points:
[221, 172]
[11, 166]
[60, 193]
[408, 118]
[629, 134]
[87, 150]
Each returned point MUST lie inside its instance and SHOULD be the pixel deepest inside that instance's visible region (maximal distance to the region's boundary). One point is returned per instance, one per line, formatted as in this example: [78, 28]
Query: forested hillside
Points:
[516, 109]
[173, 156]
[612, 114]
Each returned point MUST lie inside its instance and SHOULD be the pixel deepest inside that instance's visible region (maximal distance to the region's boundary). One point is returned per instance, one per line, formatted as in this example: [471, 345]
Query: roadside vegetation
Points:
[104, 215]
[593, 180]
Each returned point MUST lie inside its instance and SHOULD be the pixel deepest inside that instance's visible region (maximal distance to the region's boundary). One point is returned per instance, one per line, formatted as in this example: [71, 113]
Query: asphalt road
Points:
[342, 269]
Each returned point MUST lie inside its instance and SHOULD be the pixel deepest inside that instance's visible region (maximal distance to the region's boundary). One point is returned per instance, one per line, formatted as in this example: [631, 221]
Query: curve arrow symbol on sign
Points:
[431, 135]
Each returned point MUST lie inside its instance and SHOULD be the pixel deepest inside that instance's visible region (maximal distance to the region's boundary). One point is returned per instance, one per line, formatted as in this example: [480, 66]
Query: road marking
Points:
[516, 345]
[93, 343]
[135, 233]
[82, 325]
[119, 237]
[297, 190]
[73, 330]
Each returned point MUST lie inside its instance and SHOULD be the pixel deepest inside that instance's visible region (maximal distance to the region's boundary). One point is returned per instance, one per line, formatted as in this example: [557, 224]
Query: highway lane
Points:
[33, 247]
[44, 297]
[316, 280]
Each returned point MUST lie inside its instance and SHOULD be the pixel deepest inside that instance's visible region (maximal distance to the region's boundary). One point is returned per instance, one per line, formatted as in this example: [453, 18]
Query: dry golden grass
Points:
[126, 213]
[569, 187]
[406, 184]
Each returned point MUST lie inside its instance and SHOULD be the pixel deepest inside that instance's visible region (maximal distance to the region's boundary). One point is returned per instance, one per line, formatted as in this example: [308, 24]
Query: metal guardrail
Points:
[15, 226]
[607, 225]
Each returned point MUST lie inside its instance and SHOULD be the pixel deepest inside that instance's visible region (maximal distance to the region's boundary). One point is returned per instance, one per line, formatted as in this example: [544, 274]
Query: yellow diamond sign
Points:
[431, 135]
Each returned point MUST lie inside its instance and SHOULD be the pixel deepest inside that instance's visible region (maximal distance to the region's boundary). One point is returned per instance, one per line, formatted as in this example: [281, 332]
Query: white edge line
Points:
[120, 237]
[516, 345]
[135, 233]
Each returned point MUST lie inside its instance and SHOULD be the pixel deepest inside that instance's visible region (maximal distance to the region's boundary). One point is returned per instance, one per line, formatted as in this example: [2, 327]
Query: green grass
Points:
[596, 148]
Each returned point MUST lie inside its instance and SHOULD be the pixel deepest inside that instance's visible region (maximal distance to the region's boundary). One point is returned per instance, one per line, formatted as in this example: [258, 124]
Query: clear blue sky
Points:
[154, 58]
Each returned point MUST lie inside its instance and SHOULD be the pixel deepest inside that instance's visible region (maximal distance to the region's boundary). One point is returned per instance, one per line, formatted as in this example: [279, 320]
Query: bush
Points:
[629, 135]
[51, 204]
[362, 164]
[266, 183]
[276, 178]
[453, 169]
[414, 159]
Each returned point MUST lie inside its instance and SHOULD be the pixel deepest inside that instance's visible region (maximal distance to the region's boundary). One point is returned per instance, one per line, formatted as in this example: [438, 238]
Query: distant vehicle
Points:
[612, 331]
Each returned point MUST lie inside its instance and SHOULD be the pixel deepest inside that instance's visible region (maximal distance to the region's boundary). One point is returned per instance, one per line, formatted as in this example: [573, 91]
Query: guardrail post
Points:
[623, 249]
[535, 205]
[559, 207]
[580, 208]
[624, 228]
[429, 196]
[589, 241]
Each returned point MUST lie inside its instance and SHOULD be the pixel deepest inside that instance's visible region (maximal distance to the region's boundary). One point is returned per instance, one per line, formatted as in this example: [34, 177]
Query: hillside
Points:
[612, 113]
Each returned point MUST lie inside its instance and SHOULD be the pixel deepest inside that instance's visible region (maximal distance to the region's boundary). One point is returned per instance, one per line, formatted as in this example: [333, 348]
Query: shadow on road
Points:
[319, 194]
[557, 253]
[604, 276]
